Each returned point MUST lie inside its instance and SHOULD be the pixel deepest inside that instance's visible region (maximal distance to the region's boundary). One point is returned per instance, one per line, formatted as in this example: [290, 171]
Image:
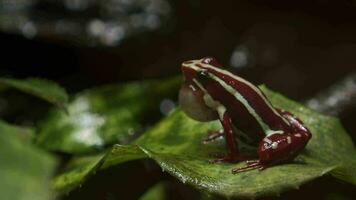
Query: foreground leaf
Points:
[44, 89]
[24, 170]
[156, 192]
[25, 134]
[80, 168]
[175, 144]
[189, 163]
[106, 115]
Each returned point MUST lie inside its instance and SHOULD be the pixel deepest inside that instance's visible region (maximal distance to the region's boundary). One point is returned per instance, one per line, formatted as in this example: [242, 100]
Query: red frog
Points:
[248, 119]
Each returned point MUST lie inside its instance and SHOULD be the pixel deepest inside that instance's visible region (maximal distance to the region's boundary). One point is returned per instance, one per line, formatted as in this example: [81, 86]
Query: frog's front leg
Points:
[280, 148]
[231, 144]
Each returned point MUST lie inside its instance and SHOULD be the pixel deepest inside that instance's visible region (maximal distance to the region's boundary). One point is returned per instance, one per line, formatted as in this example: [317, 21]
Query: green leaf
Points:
[175, 144]
[82, 167]
[330, 143]
[26, 134]
[156, 192]
[25, 171]
[188, 161]
[44, 89]
[106, 115]
[76, 172]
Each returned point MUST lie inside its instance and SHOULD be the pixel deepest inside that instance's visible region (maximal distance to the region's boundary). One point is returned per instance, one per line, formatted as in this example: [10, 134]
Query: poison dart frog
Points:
[249, 121]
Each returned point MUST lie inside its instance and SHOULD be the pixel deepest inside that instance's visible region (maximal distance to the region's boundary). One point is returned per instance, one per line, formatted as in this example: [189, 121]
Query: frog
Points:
[249, 121]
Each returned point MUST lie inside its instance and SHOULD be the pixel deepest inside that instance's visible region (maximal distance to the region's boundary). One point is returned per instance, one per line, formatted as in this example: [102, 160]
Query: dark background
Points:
[298, 48]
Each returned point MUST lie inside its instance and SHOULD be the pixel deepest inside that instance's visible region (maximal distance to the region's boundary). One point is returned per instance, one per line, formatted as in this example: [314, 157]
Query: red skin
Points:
[289, 144]
[285, 152]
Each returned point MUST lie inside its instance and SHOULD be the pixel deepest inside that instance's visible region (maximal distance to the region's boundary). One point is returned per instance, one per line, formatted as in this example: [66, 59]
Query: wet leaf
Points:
[106, 115]
[25, 171]
[44, 89]
[175, 144]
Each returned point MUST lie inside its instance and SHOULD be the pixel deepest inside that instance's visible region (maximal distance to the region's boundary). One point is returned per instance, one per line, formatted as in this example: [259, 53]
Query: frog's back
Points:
[237, 111]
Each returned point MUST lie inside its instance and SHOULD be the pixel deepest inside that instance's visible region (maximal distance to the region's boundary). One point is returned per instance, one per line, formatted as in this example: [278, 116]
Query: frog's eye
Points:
[211, 61]
[203, 73]
[203, 76]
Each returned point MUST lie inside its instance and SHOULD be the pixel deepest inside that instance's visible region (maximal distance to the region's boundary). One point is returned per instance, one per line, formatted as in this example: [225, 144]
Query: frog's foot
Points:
[213, 135]
[251, 164]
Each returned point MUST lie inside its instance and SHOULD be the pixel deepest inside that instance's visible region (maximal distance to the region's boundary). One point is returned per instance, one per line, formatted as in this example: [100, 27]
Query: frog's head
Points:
[192, 69]
[191, 94]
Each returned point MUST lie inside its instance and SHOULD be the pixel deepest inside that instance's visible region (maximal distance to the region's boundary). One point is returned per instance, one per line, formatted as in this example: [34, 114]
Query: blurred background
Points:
[298, 48]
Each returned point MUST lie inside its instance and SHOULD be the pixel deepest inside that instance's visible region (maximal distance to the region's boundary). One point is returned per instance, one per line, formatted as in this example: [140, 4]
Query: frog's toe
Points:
[252, 161]
[213, 135]
[251, 164]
